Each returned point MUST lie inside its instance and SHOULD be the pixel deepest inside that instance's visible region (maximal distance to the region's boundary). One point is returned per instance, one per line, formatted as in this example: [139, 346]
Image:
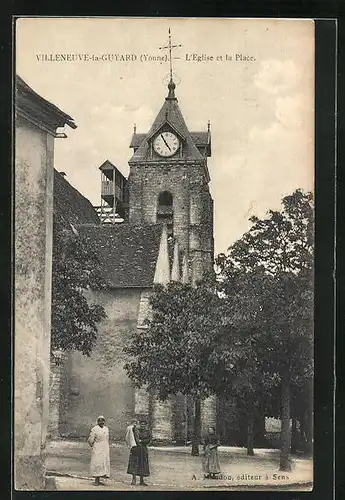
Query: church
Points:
[166, 233]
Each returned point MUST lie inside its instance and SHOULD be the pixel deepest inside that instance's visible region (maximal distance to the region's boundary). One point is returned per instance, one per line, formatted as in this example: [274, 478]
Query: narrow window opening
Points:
[165, 211]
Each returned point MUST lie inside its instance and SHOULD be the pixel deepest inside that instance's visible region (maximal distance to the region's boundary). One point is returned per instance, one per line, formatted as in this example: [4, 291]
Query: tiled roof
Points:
[107, 165]
[170, 113]
[71, 207]
[127, 252]
[137, 139]
[35, 106]
[200, 138]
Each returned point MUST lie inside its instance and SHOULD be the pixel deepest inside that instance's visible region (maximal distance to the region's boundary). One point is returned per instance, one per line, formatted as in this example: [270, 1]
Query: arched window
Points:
[165, 210]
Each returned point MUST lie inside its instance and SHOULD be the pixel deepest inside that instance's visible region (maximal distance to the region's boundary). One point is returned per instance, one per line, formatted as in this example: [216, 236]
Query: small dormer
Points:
[202, 140]
[137, 139]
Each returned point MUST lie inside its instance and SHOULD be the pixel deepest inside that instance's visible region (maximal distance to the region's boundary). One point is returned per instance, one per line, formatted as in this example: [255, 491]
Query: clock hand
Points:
[167, 145]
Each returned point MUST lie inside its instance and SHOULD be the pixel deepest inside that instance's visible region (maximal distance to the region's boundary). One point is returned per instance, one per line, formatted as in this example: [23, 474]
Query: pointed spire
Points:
[135, 128]
[185, 270]
[175, 273]
[208, 126]
[162, 273]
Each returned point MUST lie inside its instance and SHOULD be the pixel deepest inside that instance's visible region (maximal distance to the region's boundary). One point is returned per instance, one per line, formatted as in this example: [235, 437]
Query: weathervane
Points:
[170, 47]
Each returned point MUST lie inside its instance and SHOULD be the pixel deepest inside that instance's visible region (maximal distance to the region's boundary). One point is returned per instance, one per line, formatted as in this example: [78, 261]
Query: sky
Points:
[260, 103]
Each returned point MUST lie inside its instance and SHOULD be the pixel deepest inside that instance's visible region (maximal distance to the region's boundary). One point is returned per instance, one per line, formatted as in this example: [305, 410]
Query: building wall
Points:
[191, 204]
[98, 384]
[58, 392]
[84, 387]
[147, 182]
[208, 413]
[180, 418]
[33, 259]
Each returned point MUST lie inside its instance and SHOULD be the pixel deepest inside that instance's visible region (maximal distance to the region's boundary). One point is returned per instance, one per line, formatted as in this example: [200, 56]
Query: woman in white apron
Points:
[100, 455]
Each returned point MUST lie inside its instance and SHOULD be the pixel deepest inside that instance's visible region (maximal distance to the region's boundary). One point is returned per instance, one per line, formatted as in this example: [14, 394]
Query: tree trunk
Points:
[294, 436]
[285, 436]
[302, 432]
[250, 434]
[259, 430]
[196, 427]
[309, 433]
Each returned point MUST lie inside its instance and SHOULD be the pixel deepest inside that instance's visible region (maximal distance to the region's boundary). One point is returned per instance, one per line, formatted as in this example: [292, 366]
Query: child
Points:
[210, 459]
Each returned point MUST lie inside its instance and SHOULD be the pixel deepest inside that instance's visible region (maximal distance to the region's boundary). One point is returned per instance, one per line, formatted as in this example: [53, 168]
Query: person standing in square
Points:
[100, 455]
[138, 438]
[210, 460]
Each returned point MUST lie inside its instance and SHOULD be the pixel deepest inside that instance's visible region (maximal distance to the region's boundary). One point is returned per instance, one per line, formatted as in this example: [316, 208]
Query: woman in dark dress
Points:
[210, 461]
[138, 463]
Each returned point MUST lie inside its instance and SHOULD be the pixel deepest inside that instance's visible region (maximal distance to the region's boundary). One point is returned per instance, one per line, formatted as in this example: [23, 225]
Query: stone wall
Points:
[192, 205]
[84, 387]
[208, 413]
[180, 418]
[58, 389]
[33, 242]
[230, 423]
[99, 384]
[161, 420]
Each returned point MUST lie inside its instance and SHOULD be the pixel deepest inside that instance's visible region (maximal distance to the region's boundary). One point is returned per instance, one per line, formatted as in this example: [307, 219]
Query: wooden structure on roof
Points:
[113, 182]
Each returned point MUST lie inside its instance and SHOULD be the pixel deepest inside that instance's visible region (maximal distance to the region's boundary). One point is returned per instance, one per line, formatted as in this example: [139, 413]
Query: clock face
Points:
[166, 144]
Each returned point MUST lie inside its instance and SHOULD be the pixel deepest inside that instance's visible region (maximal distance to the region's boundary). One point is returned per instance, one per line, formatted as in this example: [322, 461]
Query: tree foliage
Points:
[267, 280]
[248, 335]
[173, 354]
[76, 269]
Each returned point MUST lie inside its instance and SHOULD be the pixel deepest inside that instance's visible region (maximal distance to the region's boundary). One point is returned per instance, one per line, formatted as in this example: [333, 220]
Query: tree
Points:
[75, 270]
[278, 250]
[172, 355]
[238, 357]
[302, 411]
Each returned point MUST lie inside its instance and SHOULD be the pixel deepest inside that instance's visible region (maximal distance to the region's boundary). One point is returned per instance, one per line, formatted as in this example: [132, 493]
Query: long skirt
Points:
[210, 461]
[138, 463]
[100, 459]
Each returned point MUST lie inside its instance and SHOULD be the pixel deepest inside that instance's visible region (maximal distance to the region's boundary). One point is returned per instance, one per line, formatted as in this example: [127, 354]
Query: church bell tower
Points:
[169, 183]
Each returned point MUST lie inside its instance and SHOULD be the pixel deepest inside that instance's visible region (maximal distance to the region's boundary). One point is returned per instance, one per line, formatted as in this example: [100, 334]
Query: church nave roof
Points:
[128, 253]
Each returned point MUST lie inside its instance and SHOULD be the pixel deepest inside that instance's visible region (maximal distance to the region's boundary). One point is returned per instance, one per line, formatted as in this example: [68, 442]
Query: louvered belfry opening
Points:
[165, 211]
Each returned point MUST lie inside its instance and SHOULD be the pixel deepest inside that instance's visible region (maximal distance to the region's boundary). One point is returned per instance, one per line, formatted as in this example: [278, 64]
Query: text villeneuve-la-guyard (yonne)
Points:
[128, 58]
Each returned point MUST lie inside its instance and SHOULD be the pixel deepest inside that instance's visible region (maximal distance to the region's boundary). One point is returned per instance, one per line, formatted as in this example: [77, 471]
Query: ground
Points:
[173, 468]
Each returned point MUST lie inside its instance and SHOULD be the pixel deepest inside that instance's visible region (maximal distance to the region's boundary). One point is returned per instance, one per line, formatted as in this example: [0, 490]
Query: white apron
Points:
[100, 455]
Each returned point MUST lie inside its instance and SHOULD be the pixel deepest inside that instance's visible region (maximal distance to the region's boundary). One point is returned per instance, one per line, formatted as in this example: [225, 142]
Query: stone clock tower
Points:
[168, 183]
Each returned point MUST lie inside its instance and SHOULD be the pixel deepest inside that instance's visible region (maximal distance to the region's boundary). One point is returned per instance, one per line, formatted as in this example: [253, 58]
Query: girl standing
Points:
[210, 461]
